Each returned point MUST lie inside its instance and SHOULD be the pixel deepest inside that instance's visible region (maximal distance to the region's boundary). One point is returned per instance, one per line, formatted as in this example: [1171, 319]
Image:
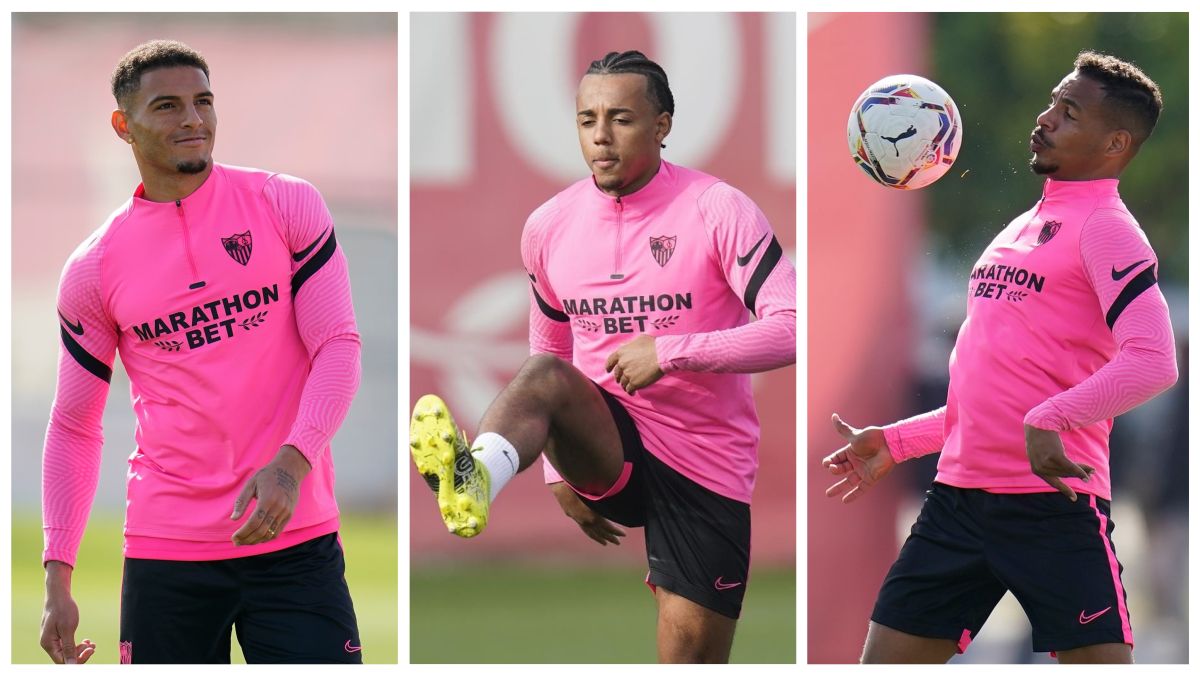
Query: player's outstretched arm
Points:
[862, 462]
[593, 524]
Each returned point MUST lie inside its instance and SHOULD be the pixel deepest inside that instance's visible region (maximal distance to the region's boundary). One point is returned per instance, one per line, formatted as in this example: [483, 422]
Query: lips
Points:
[604, 162]
[1037, 142]
[192, 141]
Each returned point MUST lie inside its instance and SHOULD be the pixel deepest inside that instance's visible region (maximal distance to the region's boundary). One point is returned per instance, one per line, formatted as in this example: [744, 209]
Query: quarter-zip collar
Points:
[1070, 190]
[197, 200]
[647, 199]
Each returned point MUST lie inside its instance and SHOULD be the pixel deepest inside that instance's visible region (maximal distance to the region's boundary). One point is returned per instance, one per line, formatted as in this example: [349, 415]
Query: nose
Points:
[192, 117]
[1046, 118]
[601, 133]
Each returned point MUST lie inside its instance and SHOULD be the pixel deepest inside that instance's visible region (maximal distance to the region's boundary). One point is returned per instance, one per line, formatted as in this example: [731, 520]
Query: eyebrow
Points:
[611, 111]
[172, 97]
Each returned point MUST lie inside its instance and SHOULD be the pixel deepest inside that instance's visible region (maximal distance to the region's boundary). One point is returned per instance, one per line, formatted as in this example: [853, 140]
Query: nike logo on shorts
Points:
[1085, 618]
[1118, 275]
[351, 649]
[743, 260]
[722, 586]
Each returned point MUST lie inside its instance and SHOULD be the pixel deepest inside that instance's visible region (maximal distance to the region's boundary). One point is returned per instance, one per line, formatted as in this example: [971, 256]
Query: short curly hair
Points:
[127, 76]
[1132, 101]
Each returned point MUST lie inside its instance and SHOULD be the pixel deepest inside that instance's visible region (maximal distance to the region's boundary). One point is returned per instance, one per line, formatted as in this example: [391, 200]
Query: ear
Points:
[1119, 143]
[662, 126]
[120, 124]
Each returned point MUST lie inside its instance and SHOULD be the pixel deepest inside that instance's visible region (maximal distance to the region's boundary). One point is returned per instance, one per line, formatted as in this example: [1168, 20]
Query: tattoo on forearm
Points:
[286, 481]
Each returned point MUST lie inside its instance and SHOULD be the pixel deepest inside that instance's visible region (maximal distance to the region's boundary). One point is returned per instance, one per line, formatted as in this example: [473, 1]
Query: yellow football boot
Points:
[444, 460]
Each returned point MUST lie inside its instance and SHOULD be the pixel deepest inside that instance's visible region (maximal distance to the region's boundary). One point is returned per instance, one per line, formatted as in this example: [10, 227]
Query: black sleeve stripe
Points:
[1134, 288]
[548, 310]
[90, 363]
[315, 263]
[303, 253]
[770, 258]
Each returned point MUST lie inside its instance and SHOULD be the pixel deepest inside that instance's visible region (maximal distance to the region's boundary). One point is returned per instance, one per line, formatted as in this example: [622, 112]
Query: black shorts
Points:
[290, 606]
[697, 541]
[970, 546]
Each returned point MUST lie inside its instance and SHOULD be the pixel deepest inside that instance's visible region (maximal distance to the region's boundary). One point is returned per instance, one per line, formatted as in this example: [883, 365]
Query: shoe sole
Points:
[432, 441]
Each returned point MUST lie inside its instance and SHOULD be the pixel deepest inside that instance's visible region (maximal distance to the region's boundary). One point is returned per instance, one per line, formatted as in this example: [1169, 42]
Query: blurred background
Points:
[492, 104]
[313, 95]
[878, 349]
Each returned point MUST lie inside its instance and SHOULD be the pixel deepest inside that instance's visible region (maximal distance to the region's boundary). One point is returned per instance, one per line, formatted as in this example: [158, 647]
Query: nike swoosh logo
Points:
[721, 586]
[1117, 276]
[76, 328]
[350, 649]
[301, 255]
[1088, 618]
[743, 260]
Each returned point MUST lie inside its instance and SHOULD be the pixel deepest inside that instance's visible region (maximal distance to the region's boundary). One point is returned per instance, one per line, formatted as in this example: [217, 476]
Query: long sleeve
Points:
[1123, 270]
[917, 436]
[74, 436]
[754, 266]
[324, 314]
[549, 325]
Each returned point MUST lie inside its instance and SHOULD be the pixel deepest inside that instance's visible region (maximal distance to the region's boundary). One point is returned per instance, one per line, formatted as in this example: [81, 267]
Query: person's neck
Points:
[172, 187]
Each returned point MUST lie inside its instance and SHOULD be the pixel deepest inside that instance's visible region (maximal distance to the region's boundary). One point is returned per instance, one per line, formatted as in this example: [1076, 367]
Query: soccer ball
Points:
[904, 131]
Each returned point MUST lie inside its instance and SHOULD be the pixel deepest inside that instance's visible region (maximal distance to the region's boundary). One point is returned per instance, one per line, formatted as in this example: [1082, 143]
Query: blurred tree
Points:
[1000, 69]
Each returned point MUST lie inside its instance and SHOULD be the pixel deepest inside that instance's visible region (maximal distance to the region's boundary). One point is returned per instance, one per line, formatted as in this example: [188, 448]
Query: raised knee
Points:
[544, 374]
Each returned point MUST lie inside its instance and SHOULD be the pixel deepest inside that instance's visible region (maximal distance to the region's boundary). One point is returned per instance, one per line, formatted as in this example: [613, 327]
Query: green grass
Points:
[524, 614]
[370, 543]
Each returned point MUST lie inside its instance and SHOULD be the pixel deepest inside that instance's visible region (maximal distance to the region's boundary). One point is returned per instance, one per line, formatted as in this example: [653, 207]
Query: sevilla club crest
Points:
[662, 248]
[1048, 231]
[238, 246]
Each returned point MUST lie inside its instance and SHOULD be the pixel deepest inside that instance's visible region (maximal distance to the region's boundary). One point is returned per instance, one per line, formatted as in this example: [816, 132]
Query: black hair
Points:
[127, 76]
[1132, 100]
[657, 88]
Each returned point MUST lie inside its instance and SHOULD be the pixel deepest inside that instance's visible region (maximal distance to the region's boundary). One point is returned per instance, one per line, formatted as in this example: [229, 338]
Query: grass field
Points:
[568, 614]
[370, 544]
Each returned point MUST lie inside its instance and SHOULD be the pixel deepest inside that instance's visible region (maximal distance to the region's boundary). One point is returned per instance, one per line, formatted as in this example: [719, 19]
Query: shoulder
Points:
[244, 178]
[92, 248]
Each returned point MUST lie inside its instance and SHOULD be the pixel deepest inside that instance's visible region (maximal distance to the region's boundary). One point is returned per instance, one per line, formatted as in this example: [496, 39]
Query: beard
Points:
[1042, 167]
[192, 167]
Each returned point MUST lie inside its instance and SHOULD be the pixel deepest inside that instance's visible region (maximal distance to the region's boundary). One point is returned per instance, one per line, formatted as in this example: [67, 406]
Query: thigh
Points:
[941, 585]
[176, 611]
[586, 446]
[624, 501]
[297, 606]
[888, 645]
[1058, 559]
[697, 541]
[690, 633]
[1102, 653]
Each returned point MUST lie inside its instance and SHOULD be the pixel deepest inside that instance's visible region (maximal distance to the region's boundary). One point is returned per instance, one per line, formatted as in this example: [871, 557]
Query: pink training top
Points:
[1066, 328]
[685, 259]
[231, 311]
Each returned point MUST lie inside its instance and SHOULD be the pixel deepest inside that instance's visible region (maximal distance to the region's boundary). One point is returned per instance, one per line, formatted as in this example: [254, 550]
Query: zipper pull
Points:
[179, 206]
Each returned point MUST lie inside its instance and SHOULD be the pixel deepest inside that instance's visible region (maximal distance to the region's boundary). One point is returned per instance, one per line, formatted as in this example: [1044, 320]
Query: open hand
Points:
[1048, 460]
[862, 461]
[593, 524]
[60, 618]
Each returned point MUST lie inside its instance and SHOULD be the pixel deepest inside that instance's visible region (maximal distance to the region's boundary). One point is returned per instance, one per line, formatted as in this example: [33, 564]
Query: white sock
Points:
[500, 458]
